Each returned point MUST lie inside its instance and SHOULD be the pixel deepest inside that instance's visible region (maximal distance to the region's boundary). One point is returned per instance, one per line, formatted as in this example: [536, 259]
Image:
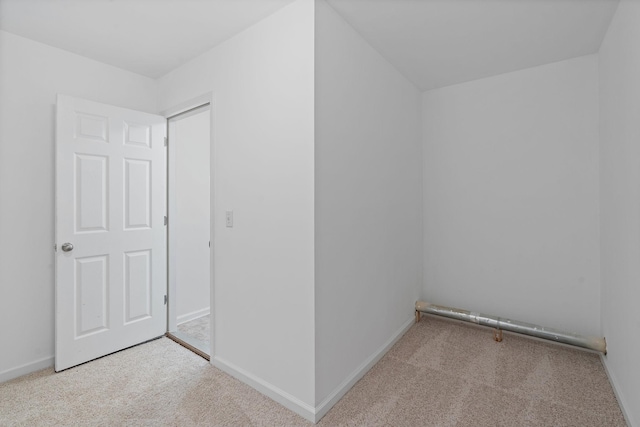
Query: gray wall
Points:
[620, 202]
[368, 202]
[511, 196]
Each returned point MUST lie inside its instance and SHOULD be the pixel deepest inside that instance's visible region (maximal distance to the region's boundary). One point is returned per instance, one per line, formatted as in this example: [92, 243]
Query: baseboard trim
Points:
[614, 386]
[282, 397]
[27, 368]
[193, 316]
[360, 371]
[306, 411]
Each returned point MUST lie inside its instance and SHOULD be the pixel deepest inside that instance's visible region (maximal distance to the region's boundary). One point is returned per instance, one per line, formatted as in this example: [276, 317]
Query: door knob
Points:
[67, 247]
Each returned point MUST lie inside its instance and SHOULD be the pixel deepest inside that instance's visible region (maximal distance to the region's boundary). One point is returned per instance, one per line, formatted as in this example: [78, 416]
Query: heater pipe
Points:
[591, 343]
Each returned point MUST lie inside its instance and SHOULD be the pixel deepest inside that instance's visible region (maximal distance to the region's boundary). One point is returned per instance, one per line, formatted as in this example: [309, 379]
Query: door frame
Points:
[184, 107]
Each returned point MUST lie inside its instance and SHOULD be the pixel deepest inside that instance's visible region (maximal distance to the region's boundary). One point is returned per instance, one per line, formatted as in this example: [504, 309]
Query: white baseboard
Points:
[614, 386]
[184, 318]
[282, 397]
[296, 405]
[360, 371]
[27, 368]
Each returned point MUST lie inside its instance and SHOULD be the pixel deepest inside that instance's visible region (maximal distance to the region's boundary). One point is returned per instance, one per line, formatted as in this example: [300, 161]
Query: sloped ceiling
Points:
[433, 43]
[148, 37]
[437, 43]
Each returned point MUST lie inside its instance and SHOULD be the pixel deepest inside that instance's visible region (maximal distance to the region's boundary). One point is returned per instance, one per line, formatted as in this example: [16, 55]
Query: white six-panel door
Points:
[110, 206]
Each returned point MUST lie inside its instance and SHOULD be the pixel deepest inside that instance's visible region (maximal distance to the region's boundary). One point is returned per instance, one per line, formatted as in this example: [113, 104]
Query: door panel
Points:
[137, 197]
[137, 282]
[110, 205]
[91, 196]
[91, 290]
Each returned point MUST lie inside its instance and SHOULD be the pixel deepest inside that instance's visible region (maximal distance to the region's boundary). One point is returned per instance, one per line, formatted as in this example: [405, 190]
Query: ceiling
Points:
[437, 43]
[434, 43]
[148, 37]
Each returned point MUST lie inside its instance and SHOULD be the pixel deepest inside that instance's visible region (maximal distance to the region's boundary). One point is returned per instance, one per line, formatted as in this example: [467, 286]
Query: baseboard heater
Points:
[499, 324]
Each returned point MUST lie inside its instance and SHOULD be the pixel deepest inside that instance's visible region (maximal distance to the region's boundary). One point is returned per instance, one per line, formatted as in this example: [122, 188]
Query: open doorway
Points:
[189, 229]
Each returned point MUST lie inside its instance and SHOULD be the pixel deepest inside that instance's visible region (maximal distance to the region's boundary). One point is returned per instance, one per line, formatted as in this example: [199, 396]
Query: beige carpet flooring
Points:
[197, 328]
[440, 373]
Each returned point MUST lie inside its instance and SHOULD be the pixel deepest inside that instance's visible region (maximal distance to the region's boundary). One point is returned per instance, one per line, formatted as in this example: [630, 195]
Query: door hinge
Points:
[55, 247]
[166, 220]
[166, 141]
[165, 300]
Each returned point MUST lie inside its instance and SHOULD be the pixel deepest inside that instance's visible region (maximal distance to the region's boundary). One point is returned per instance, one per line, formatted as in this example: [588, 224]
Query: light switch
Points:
[229, 218]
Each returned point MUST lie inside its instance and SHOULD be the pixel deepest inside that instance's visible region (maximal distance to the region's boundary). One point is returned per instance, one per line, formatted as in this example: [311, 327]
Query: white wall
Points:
[31, 74]
[189, 137]
[620, 202]
[368, 204]
[511, 196]
[262, 85]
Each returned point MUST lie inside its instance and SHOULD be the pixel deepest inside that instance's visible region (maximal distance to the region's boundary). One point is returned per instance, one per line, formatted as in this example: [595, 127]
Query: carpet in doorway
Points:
[197, 328]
